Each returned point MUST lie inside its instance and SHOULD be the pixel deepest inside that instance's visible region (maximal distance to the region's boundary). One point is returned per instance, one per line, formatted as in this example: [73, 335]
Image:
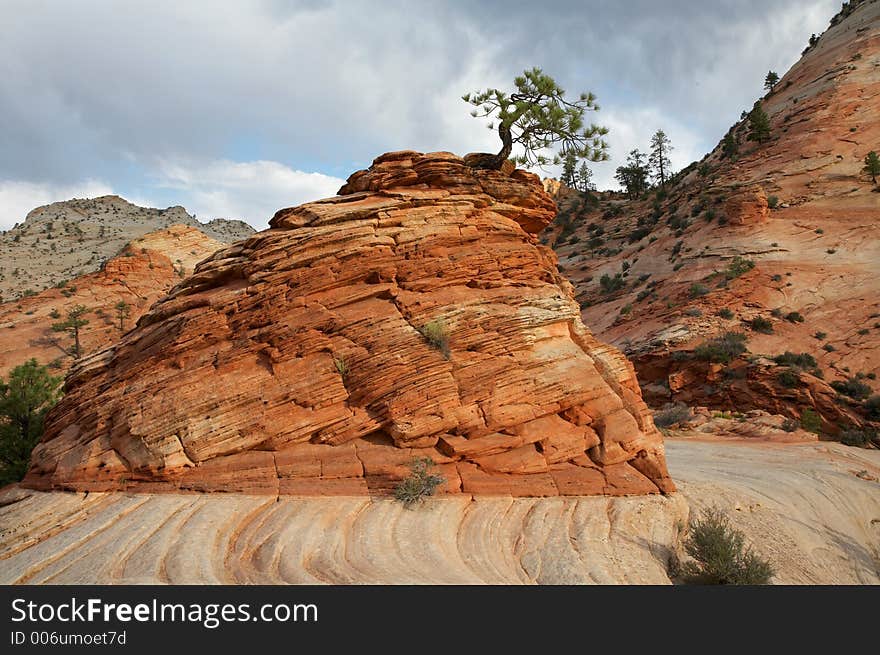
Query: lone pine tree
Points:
[759, 124]
[659, 157]
[72, 325]
[123, 311]
[536, 116]
[771, 80]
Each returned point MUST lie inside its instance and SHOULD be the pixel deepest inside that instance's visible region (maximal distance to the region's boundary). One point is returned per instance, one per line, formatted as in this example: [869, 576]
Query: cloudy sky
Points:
[237, 108]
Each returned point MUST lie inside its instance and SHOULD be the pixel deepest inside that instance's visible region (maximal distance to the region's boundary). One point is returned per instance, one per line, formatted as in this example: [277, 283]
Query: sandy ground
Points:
[802, 505]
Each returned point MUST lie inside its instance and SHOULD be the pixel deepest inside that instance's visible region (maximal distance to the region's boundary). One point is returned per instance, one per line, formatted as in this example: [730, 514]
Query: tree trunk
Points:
[495, 162]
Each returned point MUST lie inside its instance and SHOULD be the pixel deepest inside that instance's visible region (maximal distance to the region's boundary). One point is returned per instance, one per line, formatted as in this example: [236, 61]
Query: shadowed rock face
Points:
[294, 362]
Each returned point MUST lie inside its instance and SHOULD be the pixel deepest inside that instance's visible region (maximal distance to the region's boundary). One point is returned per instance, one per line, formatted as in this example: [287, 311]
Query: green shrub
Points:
[672, 414]
[720, 554]
[611, 284]
[773, 202]
[852, 387]
[811, 421]
[820, 335]
[737, 267]
[828, 348]
[802, 360]
[341, 366]
[761, 324]
[437, 334]
[788, 378]
[872, 406]
[794, 317]
[419, 484]
[857, 438]
[725, 313]
[722, 349]
[626, 309]
[698, 290]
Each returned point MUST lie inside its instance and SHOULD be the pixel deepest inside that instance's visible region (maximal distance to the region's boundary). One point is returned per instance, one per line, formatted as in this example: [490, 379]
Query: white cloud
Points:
[251, 191]
[19, 198]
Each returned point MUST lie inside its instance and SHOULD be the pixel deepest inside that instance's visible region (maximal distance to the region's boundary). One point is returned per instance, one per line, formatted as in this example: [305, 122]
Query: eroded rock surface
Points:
[295, 363]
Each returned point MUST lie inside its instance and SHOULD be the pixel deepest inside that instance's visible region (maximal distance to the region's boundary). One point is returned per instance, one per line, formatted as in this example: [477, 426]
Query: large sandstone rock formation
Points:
[294, 362]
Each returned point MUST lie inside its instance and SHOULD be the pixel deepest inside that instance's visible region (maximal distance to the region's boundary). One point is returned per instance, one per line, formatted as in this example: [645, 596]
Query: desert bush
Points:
[722, 349]
[720, 554]
[672, 414]
[611, 284]
[790, 425]
[801, 360]
[773, 202]
[419, 484]
[341, 366]
[857, 438]
[811, 421]
[761, 324]
[698, 290]
[788, 378]
[872, 406]
[725, 313]
[820, 335]
[737, 266]
[794, 317]
[828, 348]
[852, 387]
[437, 334]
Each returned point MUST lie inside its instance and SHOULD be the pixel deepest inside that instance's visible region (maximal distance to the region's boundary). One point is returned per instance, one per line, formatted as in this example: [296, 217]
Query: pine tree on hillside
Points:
[659, 157]
[730, 146]
[72, 325]
[872, 166]
[759, 124]
[569, 170]
[771, 81]
[634, 176]
[584, 180]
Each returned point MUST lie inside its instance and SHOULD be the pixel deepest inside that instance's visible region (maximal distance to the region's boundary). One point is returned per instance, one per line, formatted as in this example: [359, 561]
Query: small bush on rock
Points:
[720, 554]
[419, 484]
[437, 334]
[762, 325]
[723, 349]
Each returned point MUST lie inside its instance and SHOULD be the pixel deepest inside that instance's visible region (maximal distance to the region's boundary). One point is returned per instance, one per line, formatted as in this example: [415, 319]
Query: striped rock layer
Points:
[296, 361]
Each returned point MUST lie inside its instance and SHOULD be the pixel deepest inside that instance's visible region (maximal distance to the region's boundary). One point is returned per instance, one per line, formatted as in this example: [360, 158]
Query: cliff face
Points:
[296, 362]
[143, 272]
[797, 206]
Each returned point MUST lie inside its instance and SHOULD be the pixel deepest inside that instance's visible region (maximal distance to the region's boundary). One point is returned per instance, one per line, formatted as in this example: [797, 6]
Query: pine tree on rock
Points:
[659, 157]
[771, 81]
[872, 166]
[537, 116]
[759, 124]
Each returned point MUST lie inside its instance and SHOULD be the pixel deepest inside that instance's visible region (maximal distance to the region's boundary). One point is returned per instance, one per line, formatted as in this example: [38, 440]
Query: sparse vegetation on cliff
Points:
[723, 349]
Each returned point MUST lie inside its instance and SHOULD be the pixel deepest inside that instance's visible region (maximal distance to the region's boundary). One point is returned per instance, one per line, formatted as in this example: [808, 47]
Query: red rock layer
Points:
[145, 270]
[293, 362]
